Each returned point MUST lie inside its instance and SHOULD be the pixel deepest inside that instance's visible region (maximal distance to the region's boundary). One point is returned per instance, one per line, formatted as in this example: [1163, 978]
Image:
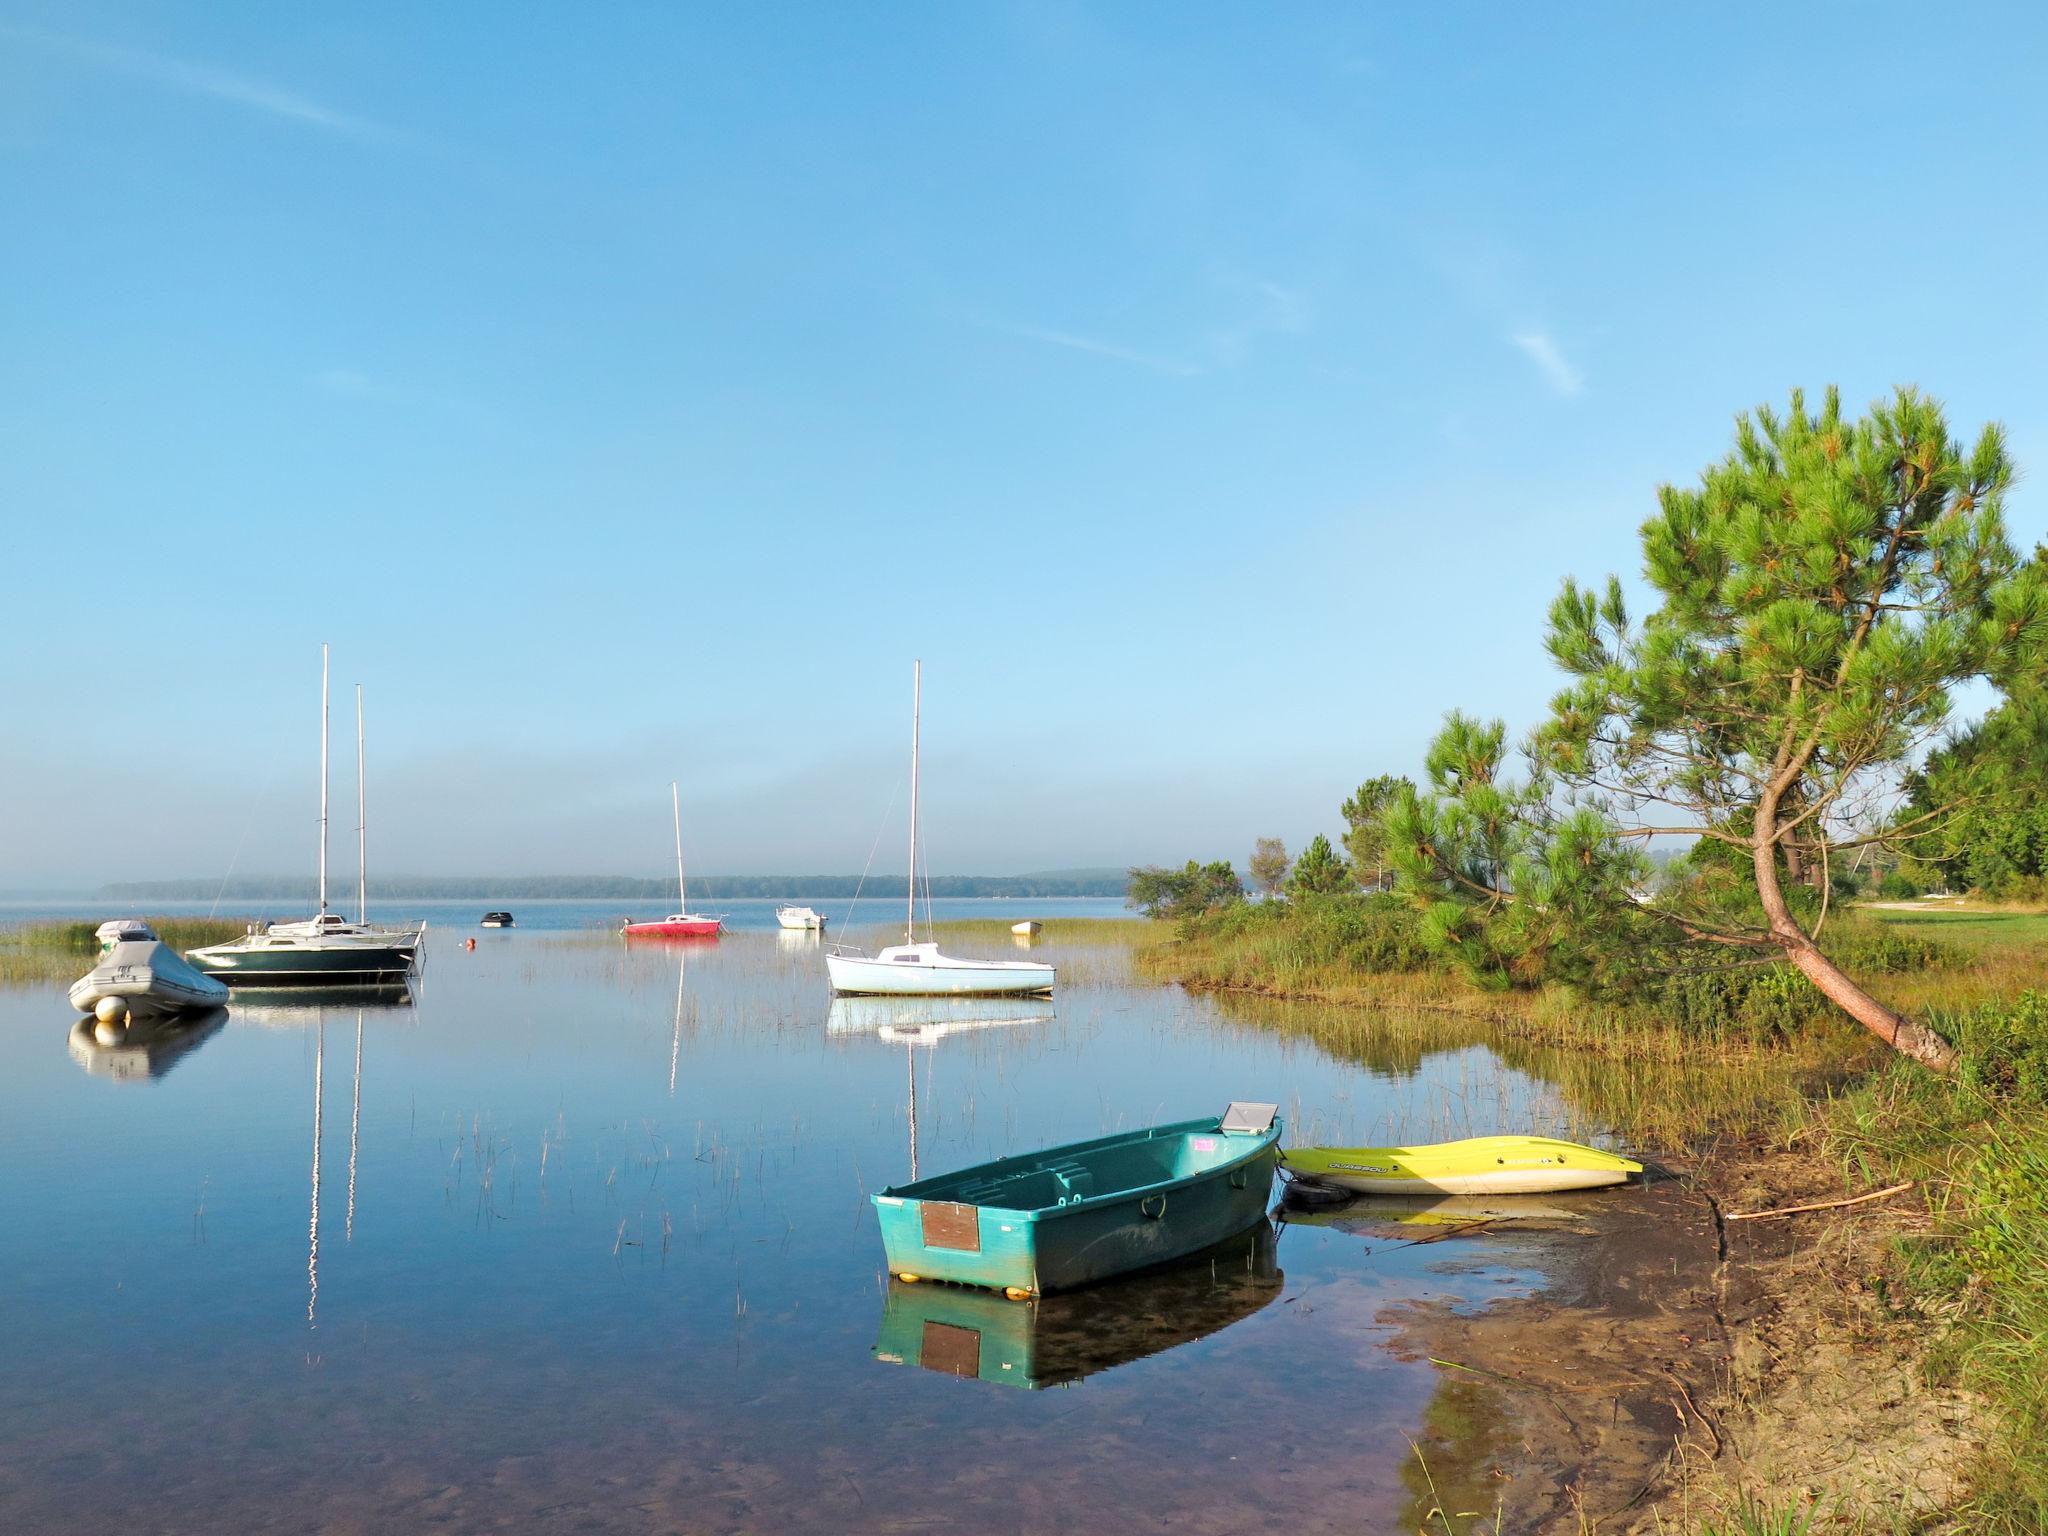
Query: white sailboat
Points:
[911, 969]
[325, 949]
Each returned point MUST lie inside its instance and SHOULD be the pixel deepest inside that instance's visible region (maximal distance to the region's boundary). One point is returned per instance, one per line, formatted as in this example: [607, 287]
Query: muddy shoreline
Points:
[1676, 1362]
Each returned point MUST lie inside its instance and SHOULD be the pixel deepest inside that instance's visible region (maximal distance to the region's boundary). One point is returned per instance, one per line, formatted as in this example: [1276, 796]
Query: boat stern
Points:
[965, 1244]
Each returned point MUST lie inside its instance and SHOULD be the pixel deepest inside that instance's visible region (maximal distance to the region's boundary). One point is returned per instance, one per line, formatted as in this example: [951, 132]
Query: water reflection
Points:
[146, 1048]
[928, 1020]
[1056, 1340]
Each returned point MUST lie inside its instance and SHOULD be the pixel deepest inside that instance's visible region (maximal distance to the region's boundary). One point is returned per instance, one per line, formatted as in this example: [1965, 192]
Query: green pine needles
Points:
[1819, 595]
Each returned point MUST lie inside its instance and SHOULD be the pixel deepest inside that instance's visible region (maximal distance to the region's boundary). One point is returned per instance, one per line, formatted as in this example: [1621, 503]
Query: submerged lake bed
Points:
[579, 1238]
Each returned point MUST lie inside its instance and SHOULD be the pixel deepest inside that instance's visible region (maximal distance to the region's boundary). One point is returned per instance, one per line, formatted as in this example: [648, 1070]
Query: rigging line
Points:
[846, 922]
[242, 842]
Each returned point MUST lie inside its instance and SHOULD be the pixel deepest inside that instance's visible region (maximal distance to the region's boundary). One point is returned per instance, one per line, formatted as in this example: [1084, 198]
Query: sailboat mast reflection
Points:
[675, 1047]
[313, 1231]
[355, 1116]
[910, 1058]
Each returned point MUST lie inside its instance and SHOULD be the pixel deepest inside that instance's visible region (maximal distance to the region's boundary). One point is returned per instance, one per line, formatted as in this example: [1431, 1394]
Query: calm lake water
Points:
[579, 1240]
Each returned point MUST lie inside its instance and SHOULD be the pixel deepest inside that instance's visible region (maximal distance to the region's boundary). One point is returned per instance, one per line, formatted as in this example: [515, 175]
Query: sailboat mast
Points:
[916, 699]
[362, 823]
[323, 779]
[676, 803]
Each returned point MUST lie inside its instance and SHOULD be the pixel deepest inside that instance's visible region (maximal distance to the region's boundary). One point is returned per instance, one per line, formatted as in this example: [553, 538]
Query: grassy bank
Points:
[1749, 1068]
[65, 950]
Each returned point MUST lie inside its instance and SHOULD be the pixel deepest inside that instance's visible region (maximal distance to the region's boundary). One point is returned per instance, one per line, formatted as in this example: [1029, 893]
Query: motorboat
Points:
[496, 920]
[911, 969]
[1028, 929]
[683, 923]
[139, 975]
[326, 949]
[799, 917]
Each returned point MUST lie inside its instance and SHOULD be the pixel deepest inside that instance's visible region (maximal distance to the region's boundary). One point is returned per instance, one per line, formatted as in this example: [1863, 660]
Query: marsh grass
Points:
[54, 951]
[1975, 1278]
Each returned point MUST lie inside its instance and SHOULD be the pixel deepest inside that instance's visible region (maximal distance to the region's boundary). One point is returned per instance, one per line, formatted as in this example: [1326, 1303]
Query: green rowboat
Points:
[1484, 1165]
[1073, 1215]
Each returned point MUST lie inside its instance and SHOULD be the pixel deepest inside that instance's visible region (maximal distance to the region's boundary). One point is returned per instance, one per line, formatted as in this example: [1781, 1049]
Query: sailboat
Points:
[920, 970]
[325, 949]
[682, 923]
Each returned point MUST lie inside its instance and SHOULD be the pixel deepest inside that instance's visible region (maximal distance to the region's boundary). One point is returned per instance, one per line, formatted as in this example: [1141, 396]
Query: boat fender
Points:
[1016, 1293]
[111, 1010]
[907, 1278]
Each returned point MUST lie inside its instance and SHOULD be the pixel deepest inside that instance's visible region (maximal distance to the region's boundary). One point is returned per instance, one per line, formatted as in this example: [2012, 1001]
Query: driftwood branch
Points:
[1822, 1205]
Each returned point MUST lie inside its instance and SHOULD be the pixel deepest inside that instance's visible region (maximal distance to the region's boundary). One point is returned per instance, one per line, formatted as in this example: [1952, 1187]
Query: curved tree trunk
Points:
[1896, 1030]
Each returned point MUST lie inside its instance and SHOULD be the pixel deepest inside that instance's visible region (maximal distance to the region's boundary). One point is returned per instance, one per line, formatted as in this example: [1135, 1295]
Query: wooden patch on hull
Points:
[947, 1225]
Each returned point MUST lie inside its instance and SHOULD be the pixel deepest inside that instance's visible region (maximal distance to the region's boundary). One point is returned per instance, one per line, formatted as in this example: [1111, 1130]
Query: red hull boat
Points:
[684, 924]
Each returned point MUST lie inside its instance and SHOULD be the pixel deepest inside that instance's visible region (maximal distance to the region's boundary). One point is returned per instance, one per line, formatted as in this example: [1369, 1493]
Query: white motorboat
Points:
[911, 969]
[799, 917]
[138, 975]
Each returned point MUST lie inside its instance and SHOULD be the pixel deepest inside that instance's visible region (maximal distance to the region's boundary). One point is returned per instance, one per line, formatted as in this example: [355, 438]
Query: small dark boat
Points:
[1072, 1215]
[496, 920]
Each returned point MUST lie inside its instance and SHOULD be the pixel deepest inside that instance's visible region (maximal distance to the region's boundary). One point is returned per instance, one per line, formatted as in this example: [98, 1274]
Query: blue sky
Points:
[1211, 395]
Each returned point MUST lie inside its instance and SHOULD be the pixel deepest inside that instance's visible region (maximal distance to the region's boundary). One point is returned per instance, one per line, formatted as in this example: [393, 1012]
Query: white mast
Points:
[362, 824]
[916, 693]
[676, 802]
[323, 780]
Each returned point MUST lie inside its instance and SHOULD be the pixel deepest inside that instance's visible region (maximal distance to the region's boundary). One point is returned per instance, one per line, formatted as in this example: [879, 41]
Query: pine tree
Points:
[1319, 872]
[1820, 593]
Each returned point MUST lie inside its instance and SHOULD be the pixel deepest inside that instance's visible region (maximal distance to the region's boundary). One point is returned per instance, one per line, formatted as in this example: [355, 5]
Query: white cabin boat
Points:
[919, 970]
[800, 917]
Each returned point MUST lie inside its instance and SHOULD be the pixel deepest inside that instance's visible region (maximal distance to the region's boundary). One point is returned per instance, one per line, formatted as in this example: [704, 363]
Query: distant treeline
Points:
[1074, 882]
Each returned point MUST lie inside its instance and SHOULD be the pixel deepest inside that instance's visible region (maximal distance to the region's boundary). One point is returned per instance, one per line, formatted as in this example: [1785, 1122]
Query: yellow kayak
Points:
[1484, 1165]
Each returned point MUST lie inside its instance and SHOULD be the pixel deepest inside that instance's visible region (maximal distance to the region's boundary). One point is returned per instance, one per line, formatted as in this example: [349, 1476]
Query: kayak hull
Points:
[1484, 1165]
[1076, 1214]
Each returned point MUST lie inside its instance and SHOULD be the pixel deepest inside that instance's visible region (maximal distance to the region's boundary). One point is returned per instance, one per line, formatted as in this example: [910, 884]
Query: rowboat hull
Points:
[1484, 1165]
[802, 919]
[919, 970]
[1056, 1340]
[1077, 1214]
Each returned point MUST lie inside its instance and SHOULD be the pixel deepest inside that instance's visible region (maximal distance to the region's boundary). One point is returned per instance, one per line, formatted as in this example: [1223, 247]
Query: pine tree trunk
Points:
[1896, 1030]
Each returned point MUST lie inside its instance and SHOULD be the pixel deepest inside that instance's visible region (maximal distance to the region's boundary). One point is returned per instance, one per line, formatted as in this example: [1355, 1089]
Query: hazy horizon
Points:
[1211, 398]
